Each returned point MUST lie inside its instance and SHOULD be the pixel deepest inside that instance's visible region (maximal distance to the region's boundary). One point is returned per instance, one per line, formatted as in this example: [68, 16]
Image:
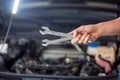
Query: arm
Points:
[110, 27]
[96, 30]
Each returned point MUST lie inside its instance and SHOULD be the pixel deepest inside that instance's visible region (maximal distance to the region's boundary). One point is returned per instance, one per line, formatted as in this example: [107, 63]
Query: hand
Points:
[84, 33]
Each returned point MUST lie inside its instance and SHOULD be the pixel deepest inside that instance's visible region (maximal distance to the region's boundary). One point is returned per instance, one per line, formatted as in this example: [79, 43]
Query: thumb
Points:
[74, 33]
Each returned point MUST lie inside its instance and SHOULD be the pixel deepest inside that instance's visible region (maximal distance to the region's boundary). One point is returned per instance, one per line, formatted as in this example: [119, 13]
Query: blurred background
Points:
[60, 15]
[22, 53]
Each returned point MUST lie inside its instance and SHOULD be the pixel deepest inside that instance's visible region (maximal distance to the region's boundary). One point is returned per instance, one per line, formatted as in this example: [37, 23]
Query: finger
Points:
[76, 39]
[86, 39]
[92, 38]
[79, 29]
[74, 33]
[83, 37]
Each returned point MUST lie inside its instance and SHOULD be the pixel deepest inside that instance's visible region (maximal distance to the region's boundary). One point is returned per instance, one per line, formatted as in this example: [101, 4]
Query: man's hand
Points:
[84, 33]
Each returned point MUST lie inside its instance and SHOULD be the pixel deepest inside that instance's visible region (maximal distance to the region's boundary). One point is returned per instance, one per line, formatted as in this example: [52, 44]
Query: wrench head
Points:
[42, 32]
[46, 30]
[45, 42]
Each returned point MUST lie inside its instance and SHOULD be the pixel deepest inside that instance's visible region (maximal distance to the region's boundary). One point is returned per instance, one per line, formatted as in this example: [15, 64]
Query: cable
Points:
[8, 31]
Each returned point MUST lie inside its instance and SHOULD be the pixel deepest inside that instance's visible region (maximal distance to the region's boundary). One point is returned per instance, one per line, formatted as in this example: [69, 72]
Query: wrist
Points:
[100, 29]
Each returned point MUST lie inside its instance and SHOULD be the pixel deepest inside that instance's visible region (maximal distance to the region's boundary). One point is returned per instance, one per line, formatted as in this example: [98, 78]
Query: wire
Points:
[8, 31]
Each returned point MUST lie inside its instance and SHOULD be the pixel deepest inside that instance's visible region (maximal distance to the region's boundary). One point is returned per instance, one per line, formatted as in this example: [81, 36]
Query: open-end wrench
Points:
[47, 42]
[48, 31]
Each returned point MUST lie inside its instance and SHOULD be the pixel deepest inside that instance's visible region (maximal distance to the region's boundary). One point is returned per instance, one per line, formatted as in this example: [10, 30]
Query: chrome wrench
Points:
[47, 42]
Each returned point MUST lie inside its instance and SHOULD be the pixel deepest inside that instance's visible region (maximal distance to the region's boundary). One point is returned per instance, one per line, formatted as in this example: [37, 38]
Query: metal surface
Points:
[47, 42]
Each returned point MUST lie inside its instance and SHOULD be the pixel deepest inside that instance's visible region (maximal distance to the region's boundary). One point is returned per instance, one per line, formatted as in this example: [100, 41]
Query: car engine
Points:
[27, 56]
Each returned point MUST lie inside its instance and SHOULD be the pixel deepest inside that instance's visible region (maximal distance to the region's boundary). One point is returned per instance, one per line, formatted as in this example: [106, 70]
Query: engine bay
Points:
[28, 56]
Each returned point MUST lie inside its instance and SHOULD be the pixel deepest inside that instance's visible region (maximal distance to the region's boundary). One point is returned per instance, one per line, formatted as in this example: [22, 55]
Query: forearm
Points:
[110, 27]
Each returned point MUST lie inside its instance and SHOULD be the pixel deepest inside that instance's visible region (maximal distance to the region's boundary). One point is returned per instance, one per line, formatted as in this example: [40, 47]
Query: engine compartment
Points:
[29, 57]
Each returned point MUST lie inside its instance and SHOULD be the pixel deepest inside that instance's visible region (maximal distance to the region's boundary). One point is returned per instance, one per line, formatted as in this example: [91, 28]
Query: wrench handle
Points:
[59, 34]
[48, 42]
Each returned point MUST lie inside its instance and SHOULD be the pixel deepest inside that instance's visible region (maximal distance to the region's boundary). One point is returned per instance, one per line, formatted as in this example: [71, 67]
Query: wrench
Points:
[47, 42]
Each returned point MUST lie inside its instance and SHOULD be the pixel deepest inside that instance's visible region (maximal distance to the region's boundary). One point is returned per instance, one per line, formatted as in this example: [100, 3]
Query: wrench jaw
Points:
[46, 30]
[42, 32]
[45, 42]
